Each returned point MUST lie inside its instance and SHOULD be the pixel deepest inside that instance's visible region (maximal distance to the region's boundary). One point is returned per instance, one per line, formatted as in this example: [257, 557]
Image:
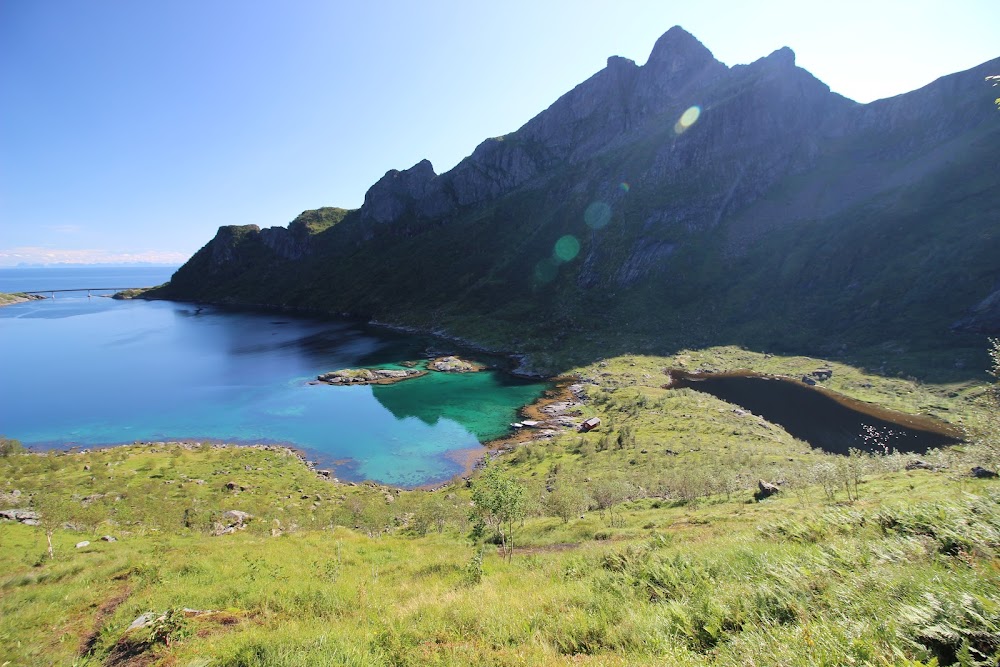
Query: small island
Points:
[362, 376]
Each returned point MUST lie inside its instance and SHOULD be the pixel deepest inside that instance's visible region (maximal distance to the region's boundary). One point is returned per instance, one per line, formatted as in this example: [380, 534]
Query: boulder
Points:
[237, 517]
[80, 545]
[232, 520]
[108, 538]
[142, 621]
[27, 517]
[765, 490]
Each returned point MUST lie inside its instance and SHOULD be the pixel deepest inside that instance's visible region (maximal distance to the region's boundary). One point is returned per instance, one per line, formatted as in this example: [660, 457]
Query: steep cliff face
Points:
[680, 200]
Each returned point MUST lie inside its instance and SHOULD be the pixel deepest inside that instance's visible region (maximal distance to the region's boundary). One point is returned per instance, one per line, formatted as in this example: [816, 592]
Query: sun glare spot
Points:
[687, 119]
[567, 248]
[597, 215]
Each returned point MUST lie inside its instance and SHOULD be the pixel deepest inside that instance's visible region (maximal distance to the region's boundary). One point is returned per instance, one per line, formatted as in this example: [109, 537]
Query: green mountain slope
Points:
[674, 204]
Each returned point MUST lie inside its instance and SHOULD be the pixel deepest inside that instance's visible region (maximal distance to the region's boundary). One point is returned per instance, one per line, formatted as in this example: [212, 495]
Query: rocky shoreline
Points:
[558, 410]
[18, 297]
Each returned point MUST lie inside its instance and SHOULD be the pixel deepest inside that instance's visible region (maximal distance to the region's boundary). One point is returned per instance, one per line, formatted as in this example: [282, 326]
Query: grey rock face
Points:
[578, 125]
[415, 191]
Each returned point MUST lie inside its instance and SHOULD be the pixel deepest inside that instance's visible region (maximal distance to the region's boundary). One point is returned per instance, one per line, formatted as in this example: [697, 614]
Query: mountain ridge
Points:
[670, 180]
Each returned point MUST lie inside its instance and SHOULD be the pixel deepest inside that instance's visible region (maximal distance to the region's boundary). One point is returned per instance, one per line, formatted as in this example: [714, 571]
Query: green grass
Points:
[684, 569]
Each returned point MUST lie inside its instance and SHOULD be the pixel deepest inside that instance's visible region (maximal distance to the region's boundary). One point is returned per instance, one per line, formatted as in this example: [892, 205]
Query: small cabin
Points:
[590, 424]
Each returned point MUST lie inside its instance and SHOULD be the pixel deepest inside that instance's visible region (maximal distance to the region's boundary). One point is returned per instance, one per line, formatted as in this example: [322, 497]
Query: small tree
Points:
[567, 500]
[499, 503]
[607, 493]
[992, 429]
[54, 509]
[995, 357]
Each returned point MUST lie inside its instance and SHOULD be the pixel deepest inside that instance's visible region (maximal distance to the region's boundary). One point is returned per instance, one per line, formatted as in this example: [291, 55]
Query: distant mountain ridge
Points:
[680, 202]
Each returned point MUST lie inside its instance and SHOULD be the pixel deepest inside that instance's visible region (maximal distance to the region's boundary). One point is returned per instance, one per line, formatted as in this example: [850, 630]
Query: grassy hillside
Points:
[640, 545]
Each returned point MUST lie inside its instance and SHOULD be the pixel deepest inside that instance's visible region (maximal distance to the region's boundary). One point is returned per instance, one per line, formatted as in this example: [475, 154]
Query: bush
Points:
[9, 446]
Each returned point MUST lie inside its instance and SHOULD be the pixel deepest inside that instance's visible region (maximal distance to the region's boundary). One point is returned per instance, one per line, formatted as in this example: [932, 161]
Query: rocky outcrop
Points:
[765, 490]
[231, 521]
[453, 364]
[416, 193]
[27, 517]
[362, 376]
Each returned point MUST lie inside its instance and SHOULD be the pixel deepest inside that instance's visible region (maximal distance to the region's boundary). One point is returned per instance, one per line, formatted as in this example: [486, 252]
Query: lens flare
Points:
[597, 215]
[567, 248]
[687, 119]
[624, 187]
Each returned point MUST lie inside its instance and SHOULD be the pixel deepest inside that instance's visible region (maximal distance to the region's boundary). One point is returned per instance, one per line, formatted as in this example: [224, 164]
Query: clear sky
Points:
[132, 130]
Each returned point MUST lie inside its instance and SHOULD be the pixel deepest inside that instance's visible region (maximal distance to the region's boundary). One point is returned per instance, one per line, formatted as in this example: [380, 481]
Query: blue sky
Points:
[129, 131]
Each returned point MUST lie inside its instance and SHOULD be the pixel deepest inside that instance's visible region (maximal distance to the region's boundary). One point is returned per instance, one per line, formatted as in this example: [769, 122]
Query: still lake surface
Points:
[829, 421]
[81, 371]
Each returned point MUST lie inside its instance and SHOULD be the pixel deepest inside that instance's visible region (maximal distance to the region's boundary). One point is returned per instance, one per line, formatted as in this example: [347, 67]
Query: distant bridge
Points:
[88, 290]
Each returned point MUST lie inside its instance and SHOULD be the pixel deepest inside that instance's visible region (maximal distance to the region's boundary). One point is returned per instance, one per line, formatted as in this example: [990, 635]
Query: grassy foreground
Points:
[641, 545]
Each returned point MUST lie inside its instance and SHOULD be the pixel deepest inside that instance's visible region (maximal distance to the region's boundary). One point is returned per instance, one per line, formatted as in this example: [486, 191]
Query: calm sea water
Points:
[81, 371]
[22, 280]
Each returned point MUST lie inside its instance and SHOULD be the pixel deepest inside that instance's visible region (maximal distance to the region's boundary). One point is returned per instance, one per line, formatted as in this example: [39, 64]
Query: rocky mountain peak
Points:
[676, 50]
[782, 59]
[677, 64]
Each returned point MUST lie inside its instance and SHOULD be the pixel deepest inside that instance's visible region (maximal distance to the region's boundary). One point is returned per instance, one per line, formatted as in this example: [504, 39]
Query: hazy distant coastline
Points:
[101, 265]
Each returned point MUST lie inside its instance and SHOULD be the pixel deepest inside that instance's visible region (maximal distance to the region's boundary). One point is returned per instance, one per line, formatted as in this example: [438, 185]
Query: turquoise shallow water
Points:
[85, 372]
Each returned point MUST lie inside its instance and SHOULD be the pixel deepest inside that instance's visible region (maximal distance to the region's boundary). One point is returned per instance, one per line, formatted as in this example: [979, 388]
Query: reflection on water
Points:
[96, 371]
[822, 418]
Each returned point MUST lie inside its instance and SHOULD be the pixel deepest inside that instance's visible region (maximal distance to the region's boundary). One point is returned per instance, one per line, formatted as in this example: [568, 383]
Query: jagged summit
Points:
[677, 48]
[783, 58]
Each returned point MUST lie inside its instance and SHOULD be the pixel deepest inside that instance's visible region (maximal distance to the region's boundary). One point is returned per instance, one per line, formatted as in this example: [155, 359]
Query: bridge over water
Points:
[88, 290]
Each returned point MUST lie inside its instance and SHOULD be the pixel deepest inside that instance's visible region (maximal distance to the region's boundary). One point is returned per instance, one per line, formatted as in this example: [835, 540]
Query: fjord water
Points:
[87, 372]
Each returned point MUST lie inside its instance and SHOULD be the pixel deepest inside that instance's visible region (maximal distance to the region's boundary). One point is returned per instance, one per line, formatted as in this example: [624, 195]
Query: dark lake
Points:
[87, 372]
[826, 420]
